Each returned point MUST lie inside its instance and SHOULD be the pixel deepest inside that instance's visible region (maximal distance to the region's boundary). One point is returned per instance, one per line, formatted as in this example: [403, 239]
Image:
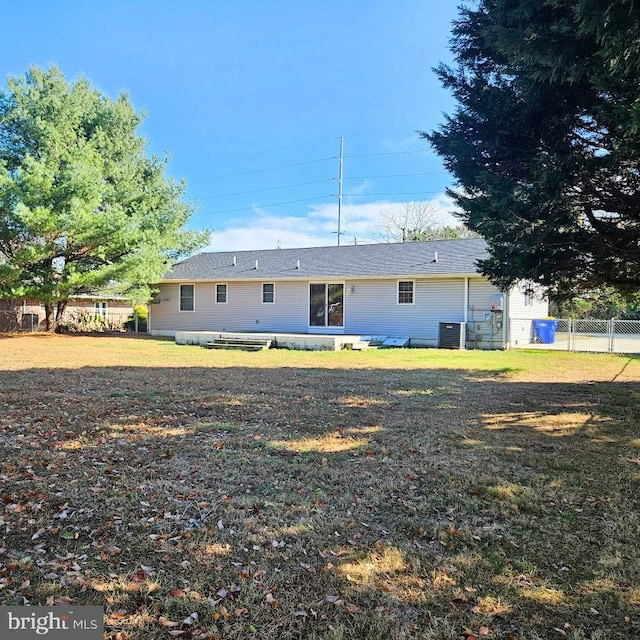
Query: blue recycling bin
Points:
[545, 331]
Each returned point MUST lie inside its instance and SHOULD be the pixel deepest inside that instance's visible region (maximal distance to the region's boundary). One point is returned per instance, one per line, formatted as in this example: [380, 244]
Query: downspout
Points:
[466, 309]
[506, 322]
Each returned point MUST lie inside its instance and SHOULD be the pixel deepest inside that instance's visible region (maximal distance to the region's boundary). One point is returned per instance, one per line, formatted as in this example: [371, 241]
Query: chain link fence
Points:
[570, 334]
[15, 320]
[85, 321]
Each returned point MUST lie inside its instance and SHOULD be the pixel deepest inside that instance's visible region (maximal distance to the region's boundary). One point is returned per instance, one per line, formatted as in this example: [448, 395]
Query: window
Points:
[187, 297]
[326, 305]
[405, 292]
[221, 293]
[268, 293]
[528, 297]
[100, 309]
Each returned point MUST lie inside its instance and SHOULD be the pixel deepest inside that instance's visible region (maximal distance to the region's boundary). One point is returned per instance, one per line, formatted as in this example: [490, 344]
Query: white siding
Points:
[373, 308]
[522, 314]
[370, 308]
[518, 309]
[243, 311]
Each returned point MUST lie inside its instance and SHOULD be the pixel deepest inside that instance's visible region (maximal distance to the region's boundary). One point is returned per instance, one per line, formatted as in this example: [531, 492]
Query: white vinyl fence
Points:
[569, 334]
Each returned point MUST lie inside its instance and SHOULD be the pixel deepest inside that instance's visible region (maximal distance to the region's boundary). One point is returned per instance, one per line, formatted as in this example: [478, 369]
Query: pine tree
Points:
[545, 141]
[82, 207]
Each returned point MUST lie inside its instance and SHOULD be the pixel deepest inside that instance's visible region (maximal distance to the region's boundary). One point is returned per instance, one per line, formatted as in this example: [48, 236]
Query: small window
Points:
[268, 293]
[528, 297]
[187, 297]
[405, 292]
[100, 309]
[221, 293]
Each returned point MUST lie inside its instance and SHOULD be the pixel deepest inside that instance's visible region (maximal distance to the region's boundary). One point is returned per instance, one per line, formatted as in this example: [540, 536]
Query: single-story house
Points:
[415, 292]
[29, 315]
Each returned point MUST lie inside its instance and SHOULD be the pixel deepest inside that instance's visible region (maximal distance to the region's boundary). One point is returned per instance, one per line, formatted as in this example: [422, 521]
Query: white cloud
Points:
[317, 227]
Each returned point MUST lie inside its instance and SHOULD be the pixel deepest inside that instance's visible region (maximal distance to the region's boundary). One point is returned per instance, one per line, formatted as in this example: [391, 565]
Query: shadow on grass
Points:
[346, 503]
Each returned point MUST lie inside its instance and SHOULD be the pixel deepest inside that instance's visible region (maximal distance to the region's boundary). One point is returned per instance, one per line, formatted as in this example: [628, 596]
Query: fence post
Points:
[569, 333]
[612, 329]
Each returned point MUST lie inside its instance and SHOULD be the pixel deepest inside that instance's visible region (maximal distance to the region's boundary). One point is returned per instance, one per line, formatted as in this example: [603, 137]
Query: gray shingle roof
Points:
[368, 260]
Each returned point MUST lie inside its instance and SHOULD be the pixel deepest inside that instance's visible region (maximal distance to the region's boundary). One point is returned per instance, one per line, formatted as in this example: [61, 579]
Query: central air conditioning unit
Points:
[452, 335]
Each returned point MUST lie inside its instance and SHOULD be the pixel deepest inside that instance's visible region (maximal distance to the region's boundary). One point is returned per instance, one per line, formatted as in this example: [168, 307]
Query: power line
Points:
[327, 195]
[271, 204]
[302, 144]
[244, 173]
[397, 193]
[389, 153]
[373, 133]
[286, 186]
[393, 175]
[255, 153]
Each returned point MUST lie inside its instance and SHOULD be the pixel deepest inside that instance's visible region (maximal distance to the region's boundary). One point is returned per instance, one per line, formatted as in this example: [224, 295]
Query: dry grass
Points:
[384, 494]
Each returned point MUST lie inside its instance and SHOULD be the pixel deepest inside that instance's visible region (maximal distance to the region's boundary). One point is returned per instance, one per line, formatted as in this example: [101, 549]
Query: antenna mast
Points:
[340, 161]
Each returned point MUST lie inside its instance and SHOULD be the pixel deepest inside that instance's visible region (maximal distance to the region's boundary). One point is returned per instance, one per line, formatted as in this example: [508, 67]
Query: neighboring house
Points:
[403, 290]
[29, 315]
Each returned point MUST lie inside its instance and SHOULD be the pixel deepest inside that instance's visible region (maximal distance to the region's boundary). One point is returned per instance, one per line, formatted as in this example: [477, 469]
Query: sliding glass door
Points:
[326, 305]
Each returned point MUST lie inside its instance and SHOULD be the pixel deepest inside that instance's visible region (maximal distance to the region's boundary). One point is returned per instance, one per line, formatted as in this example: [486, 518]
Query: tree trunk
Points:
[60, 309]
[49, 322]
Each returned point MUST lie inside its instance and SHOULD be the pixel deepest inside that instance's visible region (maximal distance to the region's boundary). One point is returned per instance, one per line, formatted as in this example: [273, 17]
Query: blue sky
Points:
[249, 99]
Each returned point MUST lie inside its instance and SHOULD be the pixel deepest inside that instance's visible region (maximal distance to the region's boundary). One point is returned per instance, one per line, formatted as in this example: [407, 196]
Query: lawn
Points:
[382, 494]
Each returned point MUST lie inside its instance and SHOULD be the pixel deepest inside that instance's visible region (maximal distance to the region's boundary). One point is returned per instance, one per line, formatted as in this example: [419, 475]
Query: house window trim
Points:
[226, 293]
[272, 284]
[528, 296]
[186, 284]
[101, 308]
[413, 293]
[327, 327]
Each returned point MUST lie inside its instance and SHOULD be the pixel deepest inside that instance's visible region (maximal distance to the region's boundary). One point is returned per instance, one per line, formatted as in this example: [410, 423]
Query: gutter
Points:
[304, 278]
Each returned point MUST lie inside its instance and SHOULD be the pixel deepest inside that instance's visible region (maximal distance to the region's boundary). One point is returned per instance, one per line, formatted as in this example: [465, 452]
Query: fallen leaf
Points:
[165, 622]
[192, 618]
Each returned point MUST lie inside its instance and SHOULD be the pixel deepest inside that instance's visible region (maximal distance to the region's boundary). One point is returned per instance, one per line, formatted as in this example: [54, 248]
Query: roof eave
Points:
[400, 276]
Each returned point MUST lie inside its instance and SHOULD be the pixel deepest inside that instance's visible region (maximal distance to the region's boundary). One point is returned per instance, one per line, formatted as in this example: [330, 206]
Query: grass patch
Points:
[381, 494]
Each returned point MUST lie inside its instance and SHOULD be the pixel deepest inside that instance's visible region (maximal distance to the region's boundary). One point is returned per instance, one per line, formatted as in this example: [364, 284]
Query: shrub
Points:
[141, 313]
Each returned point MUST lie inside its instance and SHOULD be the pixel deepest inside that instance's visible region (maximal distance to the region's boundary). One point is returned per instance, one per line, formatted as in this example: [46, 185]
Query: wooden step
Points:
[241, 344]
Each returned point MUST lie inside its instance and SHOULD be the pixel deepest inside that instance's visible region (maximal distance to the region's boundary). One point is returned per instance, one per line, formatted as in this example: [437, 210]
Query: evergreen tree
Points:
[545, 141]
[81, 205]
